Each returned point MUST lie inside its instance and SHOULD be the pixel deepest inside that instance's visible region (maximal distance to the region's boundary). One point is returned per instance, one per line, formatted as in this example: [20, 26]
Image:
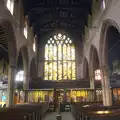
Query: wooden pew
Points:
[24, 112]
[89, 111]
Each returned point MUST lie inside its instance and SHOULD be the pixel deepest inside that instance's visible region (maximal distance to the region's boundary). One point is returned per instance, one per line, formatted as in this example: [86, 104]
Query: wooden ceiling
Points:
[46, 16]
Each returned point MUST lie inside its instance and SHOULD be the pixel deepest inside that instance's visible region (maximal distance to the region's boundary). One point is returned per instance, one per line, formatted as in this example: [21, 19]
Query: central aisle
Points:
[65, 116]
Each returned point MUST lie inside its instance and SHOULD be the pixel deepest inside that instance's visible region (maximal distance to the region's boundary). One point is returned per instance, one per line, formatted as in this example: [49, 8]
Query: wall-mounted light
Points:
[97, 74]
[19, 76]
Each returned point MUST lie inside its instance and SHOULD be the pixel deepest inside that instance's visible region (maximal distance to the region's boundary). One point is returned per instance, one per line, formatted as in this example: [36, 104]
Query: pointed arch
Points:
[8, 47]
[94, 60]
[22, 66]
[11, 41]
[103, 51]
[94, 65]
[23, 54]
[103, 42]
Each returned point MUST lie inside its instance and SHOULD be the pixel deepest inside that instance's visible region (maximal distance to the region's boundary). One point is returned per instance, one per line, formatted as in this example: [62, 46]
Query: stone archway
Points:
[94, 64]
[22, 73]
[26, 66]
[10, 42]
[10, 36]
[85, 69]
[33, 69]
[24, 56]
[107, 26]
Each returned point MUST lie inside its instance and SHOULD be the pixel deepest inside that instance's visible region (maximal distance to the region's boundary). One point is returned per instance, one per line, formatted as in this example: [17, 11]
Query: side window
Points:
[34, 46]
[25, 31]
[103, 4]
[10, 6]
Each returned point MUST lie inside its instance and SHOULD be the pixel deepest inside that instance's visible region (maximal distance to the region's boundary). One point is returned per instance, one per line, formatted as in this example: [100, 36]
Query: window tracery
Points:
[59, 58]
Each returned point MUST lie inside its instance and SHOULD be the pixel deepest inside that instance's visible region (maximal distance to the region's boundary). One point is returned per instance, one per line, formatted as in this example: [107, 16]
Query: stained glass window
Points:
[59, 59]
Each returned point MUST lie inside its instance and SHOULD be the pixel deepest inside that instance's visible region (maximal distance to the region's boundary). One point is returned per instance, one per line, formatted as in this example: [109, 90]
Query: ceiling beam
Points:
[58, 29]
[57, 14]
[58, 22]
[56, 18]
[41, 10]
[53, 6]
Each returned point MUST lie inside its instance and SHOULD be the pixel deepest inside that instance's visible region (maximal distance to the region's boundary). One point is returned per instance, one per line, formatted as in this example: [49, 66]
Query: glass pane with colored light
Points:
[64, 69]
[73, 71]
[50, 70]
[54, 70]
[59, 52]
[59, 70]
[68, 52]
[69, 70]
[46, 52]
[46, 71]
[50, 52]
[64, 52]
[73, 52]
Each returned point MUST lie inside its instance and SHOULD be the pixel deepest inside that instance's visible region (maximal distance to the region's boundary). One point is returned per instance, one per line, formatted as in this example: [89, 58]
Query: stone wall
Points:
[109, 15]
[17, 21]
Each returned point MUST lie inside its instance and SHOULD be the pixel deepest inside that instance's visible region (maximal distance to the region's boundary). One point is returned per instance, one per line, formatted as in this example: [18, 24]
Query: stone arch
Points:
[94, 64]
[85, 69]
[105, 26]
[24, 60]
[103, 48]
[10, 41]
[24, 52]
[10, 37]
[33, 68]
[94, 59]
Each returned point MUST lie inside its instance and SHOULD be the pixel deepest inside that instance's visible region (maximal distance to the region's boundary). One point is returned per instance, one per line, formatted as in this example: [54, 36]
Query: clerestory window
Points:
[10, 6]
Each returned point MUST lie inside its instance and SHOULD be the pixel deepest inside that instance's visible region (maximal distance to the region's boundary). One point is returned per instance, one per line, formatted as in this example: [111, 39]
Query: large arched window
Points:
[59, 59]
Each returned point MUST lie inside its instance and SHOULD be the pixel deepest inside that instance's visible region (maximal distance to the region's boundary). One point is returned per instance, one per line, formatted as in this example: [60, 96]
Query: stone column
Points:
[26, 85]
[1, 92]
[41, 54]
[11, 85]
[92, 82]
[107, 98]
[92, 86]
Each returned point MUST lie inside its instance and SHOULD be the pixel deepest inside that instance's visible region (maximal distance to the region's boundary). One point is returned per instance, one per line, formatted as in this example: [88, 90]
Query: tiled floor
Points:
[65, 116]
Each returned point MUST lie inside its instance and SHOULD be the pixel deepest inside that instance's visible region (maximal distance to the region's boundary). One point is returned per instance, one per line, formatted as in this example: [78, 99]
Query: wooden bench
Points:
[92, 112]
[24, 112]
